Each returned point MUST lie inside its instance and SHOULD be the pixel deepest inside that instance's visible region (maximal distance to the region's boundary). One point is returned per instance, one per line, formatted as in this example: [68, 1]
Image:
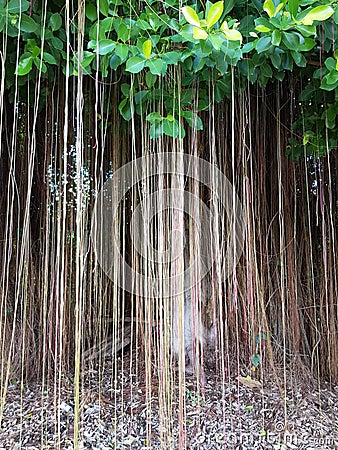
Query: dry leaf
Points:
[249, 382]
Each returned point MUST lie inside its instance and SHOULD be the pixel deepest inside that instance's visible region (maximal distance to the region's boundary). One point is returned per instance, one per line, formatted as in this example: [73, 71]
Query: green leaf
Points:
[104, 7]
[123, 32]
[40, 65]
[17, 6]
[228, 7]
[292, 40]
[135, 64]
[150, 79]
[307, 45]
[298, 58]
[155, 66]
[55, 22]
[24, 66]
[50, 58]
[191, 16]
[293, 7]
[27, 24]
[122, 51]
[232, 35]
[269, 7]
[171, 57]
[319, 13]
[276, 37]
[156, 130]
[217, 40]
[91, 12]
[173, 128]
[114, 62]
[263, 44]
[56, 43]
[214, 13]
[256, 359]
[125, 109]
[276, 60]
[198, 33]
[154, 117]
[147, 48]
[105, 46]
[193, 120]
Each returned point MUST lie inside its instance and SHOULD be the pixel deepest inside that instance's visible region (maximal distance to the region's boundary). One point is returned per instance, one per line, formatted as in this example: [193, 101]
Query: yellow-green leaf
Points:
[279, 7]
[318, 13]
[224, 26]
[214, 13]
[269, 7]
[191, 16]
[262, 28]
[198, 33]
[233, 35]
[147, 48]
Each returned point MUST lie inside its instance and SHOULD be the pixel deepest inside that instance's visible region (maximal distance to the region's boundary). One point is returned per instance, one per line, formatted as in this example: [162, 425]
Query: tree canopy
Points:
[218, 48]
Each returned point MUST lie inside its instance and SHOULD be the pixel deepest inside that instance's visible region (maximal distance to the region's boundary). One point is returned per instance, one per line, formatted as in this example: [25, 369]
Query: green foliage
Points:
[261, 40]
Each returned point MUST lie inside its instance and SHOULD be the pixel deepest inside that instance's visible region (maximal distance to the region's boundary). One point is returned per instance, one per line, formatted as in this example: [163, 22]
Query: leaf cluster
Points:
[261, 40]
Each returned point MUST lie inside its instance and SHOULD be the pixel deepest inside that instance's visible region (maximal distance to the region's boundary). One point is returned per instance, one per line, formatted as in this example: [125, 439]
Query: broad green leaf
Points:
[125, 109]
[173, 128]
[156, 130]
[104, 7]
[17, 6]
[105, 46]
[198, 33]
[307, 45]
[56, 43]
[147, 48]
[135, 64]
[141, 97]
[276, 37]
[293, 7]
[217, 40]
[24, 66]
[51, 60]
[298, 58]
[306, 30]
[214, 13]
[122, 51]
[114, 62]
[319, 13]
[91, 12]
[40, 65]
[232, 35]
[27, 24]
[193, 120]
[292, 40]
[269, 7]
[263, 44]
[154, 117]
[276, 60]
[191, 16]
[55, 22]
[150, 79]
[330, 63]
[228, 6]
[171, 57]
[155, 66]
[123, 32]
